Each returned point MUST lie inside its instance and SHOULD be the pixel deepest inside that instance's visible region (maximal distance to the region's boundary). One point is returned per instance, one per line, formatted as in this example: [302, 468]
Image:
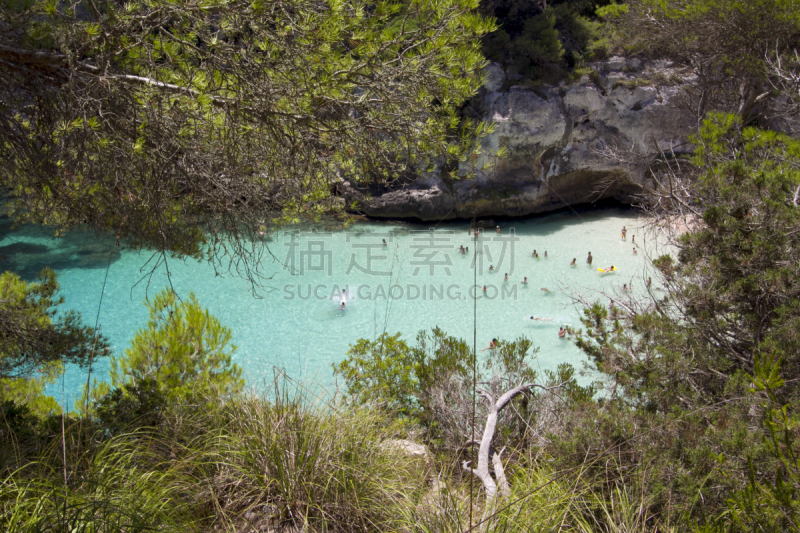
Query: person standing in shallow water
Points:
[589, 259]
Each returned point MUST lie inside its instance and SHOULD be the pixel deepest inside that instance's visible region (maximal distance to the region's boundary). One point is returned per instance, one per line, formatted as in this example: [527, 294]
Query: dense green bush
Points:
[541, 42]
[184, 351]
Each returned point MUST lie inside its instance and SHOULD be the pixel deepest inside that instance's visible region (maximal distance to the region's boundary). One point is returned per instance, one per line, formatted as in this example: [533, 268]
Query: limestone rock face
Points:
[558, 140]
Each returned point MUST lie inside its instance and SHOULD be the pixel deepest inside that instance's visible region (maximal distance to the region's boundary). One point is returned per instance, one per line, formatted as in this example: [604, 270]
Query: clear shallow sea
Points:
[417, 281]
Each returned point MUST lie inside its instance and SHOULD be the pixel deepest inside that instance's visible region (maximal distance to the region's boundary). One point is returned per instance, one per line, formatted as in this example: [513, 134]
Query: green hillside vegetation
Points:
[691, 423]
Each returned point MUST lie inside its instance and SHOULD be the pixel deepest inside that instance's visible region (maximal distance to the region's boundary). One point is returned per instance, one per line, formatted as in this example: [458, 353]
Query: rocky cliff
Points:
[558, 141]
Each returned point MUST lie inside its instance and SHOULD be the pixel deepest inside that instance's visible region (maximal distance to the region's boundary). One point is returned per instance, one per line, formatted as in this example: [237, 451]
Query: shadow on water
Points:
[27, 250]
[24, 248]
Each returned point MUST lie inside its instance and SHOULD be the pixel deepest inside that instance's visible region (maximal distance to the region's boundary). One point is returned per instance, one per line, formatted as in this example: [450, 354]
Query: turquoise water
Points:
[416, 281]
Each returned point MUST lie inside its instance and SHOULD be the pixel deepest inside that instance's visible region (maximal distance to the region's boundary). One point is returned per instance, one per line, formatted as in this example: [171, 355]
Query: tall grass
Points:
[121, 489]
[242, 465]
[288, 464]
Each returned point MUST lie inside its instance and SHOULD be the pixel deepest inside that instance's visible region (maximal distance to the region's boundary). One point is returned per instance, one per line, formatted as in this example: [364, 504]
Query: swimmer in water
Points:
[498, 230]
[635, 252]
[625, 287]
[545, 254]
[384, 242]
[484, 288]
[545, 289]
[541, 319]
[492, 345]
[506, 277]
[589, 259]
[535, 254]
[633, 239]
[525, 280]
[491, 268]
[562, 332]
[572, 263]
[341, 307]
[609, 269]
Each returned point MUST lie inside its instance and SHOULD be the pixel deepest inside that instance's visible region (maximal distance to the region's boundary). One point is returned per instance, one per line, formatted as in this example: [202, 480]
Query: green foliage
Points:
[538, 41]
[432, 384]
[35, 336]
[731, 284]
[679, 367]
[322, 468]
[189, 129]
[389, 374]
[116, 492]
[381, 372]
[725, 43]
[30, 391]
[771, 503]
[184, 350]
[36, 339]
[237, 464]
[130, 406]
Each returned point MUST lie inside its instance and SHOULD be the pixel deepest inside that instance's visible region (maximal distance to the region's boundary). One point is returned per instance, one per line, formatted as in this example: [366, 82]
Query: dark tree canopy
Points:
[188, 127]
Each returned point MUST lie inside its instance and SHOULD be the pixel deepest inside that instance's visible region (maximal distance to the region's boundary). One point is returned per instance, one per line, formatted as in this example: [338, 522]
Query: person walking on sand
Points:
[589, 259]
[624, 232]
[498, 230]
